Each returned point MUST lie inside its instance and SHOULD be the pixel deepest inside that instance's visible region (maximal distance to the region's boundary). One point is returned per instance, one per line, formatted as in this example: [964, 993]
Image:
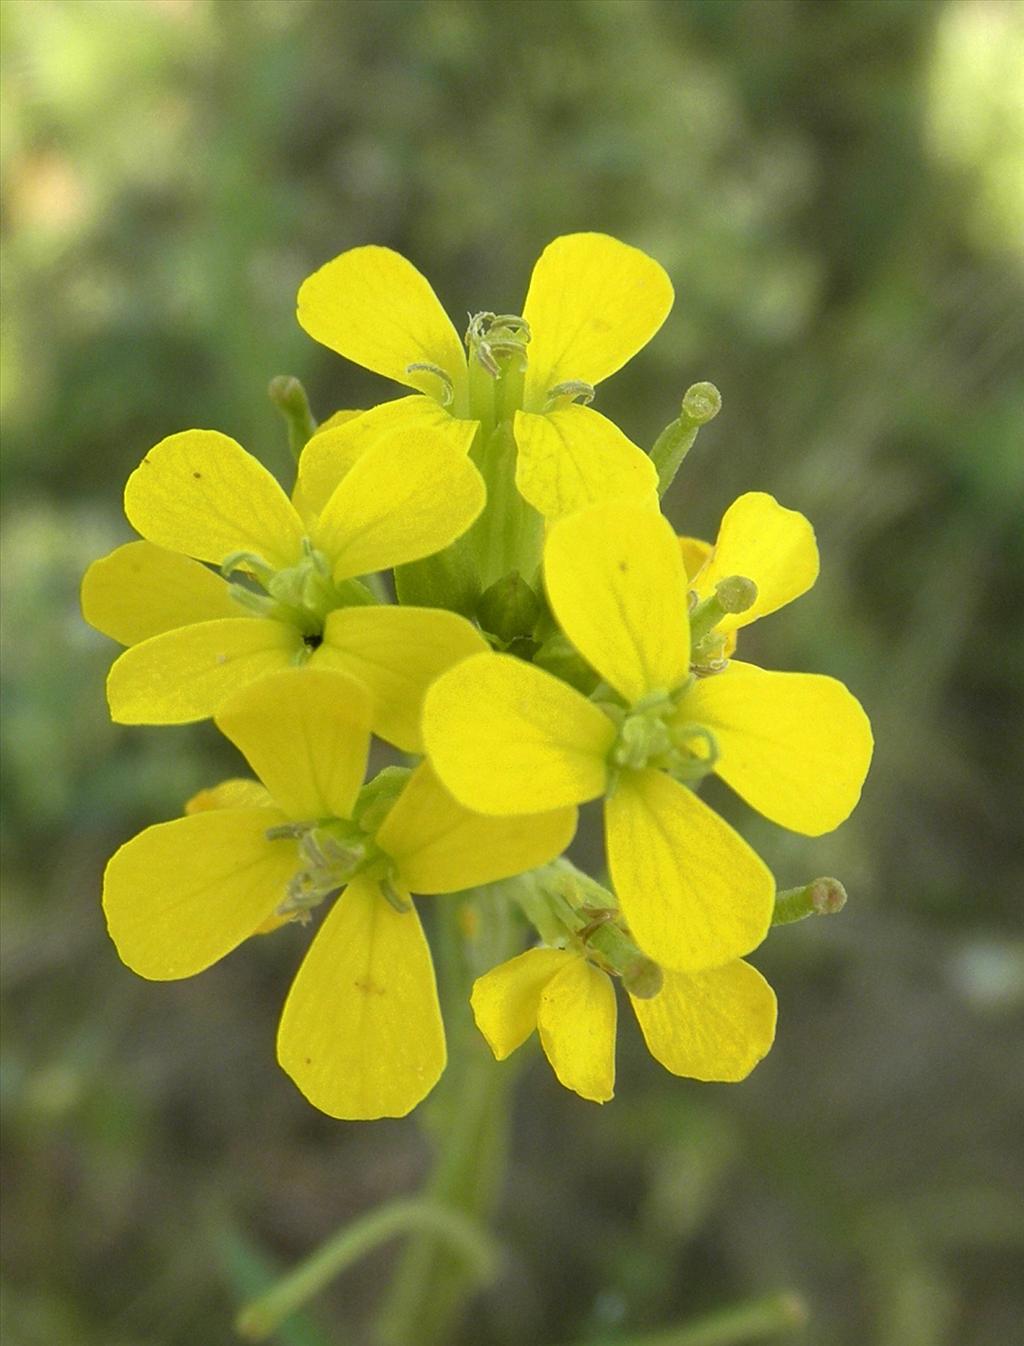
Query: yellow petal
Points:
[575, 457]
[306, 734]
[406, 497]
[712, 1025]
[506, 1000]
[396, 653]
[576, 1018]
[361, 1032]
[795, 746]
[181, 895]
[593, 303]
[331, 452]
[140, 590]
[617, 586]
[771, 545]
[695, 554]
[442, 847]
[374, 308]
[185, 674]
[309, 507]
[692, 891]
[200, 493]
[506, 737]
[335, 419]
[237, 793]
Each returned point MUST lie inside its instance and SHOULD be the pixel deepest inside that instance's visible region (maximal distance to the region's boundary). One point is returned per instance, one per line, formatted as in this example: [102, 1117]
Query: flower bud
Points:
[509, 608]
[289, 396]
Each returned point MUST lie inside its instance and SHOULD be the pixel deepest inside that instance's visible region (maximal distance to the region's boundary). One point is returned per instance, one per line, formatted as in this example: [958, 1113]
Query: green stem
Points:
[260, 1319]
[734, 1326]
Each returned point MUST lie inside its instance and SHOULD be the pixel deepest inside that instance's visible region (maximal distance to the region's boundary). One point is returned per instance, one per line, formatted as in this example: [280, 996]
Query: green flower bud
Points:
[289, 396]
[509, 608]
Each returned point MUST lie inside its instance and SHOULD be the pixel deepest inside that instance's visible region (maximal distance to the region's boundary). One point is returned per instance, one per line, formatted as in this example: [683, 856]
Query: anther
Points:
[247, 563]
[393, 896]
[318, 559]
[287, 831]
[573, 390]
[490, 335]
[695, 752]
[447, 386]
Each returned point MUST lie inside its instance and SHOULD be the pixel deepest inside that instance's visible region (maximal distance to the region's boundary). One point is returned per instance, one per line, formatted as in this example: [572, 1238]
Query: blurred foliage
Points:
[838, 193]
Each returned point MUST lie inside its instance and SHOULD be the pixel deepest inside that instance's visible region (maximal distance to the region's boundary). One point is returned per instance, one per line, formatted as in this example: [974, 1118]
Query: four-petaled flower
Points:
[505, 736]
[196, 636]
[361, 1032]
[592, 303]
[713, 1025]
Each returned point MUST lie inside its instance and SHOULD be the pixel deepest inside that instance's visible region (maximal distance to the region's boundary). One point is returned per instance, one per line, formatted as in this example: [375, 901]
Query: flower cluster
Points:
[551, 642]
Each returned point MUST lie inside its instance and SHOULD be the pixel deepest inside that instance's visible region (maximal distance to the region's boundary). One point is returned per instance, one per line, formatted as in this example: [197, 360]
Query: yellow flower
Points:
[763, 541]
[713, 1025]
[361, 1031]
[593, 302]
[505, 736]
[195, 636]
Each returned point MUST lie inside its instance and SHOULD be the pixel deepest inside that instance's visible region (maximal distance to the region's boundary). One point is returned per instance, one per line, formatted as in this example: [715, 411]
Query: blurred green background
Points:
[837, 191]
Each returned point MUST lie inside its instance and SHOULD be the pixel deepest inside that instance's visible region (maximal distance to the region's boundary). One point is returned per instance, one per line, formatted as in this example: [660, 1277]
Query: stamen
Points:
[565, 394]
[320, 562]
[287, 831]
[247, 563]
[447, 385]
[490, 335]
[330, 854]
[686, 764]
[394, 897]
[254, 602]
